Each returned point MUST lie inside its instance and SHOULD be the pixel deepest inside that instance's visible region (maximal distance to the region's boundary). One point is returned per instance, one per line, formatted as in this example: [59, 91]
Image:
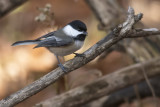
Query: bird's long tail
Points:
[26, 42]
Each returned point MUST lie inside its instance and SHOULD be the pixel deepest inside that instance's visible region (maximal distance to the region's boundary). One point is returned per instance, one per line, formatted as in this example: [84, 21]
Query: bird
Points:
[61, 42]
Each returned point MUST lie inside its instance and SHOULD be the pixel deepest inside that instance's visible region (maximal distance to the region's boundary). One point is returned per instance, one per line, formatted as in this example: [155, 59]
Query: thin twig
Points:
[150, 86]
[122, 31]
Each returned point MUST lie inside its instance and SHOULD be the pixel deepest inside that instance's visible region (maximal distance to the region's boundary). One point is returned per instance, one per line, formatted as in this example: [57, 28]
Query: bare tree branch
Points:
[150, 86]
[108, 12]
[104, 85]
[118, 97]
[8, 5]
[122, 31]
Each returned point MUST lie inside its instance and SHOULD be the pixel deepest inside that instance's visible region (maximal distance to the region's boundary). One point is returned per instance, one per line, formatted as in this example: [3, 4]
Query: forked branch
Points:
[124, 30]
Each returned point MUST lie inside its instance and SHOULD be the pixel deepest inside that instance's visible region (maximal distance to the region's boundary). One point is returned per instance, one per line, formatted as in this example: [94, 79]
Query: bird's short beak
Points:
[85, 33]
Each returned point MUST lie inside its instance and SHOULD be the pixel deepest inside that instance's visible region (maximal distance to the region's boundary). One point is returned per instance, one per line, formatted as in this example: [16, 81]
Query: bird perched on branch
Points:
[62, 42]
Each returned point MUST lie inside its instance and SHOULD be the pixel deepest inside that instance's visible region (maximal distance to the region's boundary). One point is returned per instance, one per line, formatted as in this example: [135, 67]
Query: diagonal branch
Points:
[104, 85]
[122, 31]
[8, 5]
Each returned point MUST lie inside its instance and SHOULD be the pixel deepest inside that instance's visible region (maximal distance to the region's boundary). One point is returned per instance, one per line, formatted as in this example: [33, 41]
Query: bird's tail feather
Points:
[26, 42]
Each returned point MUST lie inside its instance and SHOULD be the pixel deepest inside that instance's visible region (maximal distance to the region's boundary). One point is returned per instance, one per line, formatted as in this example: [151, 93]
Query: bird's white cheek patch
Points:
[71, 31]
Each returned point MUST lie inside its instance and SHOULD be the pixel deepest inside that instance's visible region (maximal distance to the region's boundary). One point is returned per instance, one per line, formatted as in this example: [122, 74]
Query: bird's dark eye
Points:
[79, 29]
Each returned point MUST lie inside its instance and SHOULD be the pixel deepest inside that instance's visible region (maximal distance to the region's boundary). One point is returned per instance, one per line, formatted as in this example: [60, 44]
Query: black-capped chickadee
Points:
[62, 42]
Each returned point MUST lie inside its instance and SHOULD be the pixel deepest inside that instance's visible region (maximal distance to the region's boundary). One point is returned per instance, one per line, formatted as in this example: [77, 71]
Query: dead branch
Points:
[108, 12]
[104, 85]
[122, 31]
[118, 97]
[8, 5]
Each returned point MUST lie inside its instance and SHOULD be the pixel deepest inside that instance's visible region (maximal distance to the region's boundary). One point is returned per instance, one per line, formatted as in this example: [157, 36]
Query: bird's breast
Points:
[66, 50]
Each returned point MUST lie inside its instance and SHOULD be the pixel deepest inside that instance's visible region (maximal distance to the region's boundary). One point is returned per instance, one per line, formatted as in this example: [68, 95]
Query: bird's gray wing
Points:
[55, 41]
[46, 35]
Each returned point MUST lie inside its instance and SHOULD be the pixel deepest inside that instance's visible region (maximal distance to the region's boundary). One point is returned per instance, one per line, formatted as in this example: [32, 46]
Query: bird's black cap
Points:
[78, 25]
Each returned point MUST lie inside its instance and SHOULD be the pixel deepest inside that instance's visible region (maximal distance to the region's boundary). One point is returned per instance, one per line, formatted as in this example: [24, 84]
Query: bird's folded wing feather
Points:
[46, 35]
[55, 41]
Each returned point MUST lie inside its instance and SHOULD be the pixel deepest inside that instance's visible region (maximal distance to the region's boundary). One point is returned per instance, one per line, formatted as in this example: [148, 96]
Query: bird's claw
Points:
[63, 68]
[79, 55]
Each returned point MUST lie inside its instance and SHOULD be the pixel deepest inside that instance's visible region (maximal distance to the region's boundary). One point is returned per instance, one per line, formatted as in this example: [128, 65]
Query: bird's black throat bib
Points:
[80, 37]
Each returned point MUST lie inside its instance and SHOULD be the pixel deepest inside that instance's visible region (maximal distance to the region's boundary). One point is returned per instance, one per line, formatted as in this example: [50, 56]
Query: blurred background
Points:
[21, 65]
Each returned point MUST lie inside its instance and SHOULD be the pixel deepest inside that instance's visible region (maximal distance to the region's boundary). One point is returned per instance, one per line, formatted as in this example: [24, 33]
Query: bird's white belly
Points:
[66, 50]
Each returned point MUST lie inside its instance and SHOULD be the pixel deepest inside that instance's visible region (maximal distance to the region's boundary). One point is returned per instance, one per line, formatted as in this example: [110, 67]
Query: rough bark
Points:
[110, 13]
[105, 85]
[117, 98]
[122, 31]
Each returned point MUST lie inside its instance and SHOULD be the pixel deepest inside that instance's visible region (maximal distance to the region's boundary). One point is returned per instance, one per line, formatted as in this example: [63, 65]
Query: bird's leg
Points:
[60, 64]
[79, 55]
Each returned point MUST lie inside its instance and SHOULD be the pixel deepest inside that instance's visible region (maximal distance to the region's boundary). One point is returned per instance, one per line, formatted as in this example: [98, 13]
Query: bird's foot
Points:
[63, 68]
[79, 55]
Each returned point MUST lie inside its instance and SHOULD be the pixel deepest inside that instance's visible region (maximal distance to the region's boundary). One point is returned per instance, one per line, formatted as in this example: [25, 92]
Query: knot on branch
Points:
[122, 31]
